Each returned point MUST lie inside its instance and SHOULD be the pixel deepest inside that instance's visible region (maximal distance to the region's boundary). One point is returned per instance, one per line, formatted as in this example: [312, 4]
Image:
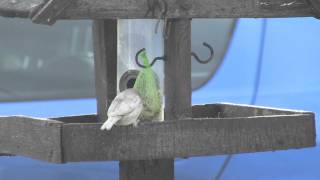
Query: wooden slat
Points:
[9, 8]
[78, 119]
[178, 69]
[170, 139]
[105, 58]
[101, 9]
[50, 12]
[227, 110]
[35, 138]
[41, 138]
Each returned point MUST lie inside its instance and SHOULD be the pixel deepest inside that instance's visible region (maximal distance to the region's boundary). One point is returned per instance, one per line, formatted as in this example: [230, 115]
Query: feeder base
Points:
[215, 129]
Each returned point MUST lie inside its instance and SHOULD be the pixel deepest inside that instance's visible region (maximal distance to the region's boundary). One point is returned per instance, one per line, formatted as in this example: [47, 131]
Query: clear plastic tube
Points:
[133, 35]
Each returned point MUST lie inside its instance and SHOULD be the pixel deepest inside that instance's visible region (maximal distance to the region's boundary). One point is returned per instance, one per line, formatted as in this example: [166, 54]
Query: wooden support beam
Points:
[259, 129]
[103, 9]
[187, 138]
[32, 137]
[229, 110]
[50, 11]
[105, 58]
[178, 69]
[177, 97]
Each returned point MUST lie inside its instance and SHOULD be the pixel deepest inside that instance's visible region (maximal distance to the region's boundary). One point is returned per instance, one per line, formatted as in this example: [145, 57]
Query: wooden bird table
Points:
[148, 151]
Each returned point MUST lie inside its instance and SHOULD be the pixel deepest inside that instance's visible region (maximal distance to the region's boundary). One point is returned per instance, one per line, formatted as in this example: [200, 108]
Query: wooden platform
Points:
[213, 130]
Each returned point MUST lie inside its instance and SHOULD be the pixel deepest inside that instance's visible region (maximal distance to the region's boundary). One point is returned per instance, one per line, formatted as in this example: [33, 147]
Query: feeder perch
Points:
[148, 151]
[213, 130]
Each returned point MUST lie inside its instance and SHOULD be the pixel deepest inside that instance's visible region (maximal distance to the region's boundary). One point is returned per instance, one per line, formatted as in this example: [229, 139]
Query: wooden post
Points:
[177, 87]
[105, 58]
[178, 70]
[177, 99]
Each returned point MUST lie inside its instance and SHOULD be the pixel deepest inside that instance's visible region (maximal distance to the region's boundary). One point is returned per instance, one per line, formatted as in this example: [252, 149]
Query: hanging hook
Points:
[206, 60]
[153, 4]
[163, 57]
[153, 61]
[162, 5]
[163, 11]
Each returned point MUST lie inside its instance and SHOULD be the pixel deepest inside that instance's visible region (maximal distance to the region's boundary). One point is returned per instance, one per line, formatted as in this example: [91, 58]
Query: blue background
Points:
[271, 62]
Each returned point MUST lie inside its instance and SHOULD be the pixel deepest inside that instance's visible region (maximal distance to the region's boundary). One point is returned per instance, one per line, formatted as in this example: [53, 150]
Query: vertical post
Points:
[177, 99]
[105, 59]
[178, 70]
[177, 87]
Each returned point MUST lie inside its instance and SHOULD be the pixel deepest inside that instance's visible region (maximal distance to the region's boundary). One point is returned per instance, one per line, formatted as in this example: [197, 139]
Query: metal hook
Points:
[206, 60]
[164, 8]
[163, 57]
[152, 4]
[153, 61]
[150, 8]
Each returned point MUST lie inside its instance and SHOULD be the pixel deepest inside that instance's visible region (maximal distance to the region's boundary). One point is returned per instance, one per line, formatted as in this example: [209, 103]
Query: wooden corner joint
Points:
[315, 4]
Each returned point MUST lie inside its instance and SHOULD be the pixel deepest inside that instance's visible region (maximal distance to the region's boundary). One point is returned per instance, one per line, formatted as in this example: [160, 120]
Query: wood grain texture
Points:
[55, 141]
[177, 100]
[35, 138]
[227, 110]
[50, 11]
[197, 137]
[178, 69]
[105, 59]
[316, 7]
[101, 9]
[91, 118]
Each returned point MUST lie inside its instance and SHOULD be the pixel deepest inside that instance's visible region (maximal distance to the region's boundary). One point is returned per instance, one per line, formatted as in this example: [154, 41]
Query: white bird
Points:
[124, 110]
[143, 101]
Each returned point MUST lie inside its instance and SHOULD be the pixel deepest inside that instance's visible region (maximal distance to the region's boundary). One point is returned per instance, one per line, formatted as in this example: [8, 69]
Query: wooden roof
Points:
[104, 9]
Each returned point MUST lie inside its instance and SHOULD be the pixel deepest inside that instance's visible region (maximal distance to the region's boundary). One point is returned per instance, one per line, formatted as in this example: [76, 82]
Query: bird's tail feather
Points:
[110, 122]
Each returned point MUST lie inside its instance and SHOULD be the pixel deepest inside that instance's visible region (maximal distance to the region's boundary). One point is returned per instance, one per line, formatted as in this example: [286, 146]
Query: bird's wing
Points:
[123, 104]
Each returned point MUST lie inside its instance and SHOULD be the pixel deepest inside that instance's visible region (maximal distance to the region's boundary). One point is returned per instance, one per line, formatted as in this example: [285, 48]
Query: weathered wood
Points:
[35, 138]
[177, 48]
[50, 11]
[41, 138]
[177, 96]
[92, 118]
[105, 58]
[197, 137]
[228, 110]
[147, 169]
[178, 69]
[316, 7]
[102, 9]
